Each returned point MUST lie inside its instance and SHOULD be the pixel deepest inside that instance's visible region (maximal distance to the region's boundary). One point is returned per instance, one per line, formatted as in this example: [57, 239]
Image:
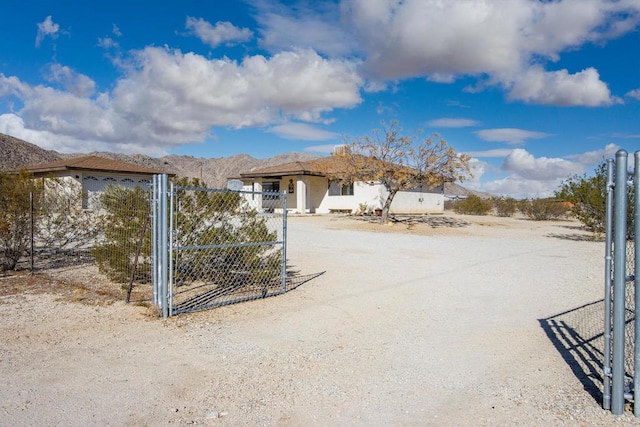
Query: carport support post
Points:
[619, 282]
[606, 389]
[636, 229]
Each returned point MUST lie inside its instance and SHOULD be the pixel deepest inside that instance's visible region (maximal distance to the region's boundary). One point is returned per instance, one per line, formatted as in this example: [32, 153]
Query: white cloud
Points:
[222, 32]
[170, 98]
[596, 156]
[450, 122]
[327, 148]
[73, 82]
[634, 94]
[320, 28]
[499, 152]
[515, 186]
[302, 131]
[46, 28]
[536, 86]
[501, 40]
[530, 176]
[116, 31]
[509, 135]
[523, 164]
[107, 43]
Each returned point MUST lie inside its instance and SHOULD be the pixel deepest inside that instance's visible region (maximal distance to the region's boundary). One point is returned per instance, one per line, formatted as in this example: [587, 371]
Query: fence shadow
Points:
[578, 335]
[434, 221]
[207, 297]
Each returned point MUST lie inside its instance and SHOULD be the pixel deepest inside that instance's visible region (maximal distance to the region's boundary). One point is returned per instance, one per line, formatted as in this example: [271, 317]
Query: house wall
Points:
[93, 184]
[319, 201]
[374, 195]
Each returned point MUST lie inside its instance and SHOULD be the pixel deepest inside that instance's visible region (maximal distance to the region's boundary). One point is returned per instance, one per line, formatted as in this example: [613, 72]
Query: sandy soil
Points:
[411, 324]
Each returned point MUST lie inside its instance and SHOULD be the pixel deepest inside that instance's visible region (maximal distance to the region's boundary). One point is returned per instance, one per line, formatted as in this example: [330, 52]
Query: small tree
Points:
[396, 161]
[124, 241]
[15, 216]
[588, 198]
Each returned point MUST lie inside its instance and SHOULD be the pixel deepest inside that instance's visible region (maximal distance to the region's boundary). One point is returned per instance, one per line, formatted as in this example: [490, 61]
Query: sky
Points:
[535, 91]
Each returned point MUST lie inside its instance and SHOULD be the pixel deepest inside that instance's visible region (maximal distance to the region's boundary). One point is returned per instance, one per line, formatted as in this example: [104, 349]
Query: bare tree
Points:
[399, 162]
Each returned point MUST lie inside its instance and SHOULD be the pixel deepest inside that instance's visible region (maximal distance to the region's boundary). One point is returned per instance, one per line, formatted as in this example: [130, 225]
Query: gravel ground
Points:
[456, 322]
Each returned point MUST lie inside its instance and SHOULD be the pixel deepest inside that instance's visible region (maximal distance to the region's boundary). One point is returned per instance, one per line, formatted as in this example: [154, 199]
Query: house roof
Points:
[293, 168]
[91, 163]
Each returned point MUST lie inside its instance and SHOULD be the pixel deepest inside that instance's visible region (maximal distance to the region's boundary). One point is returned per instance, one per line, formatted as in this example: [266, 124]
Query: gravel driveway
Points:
[408, 326]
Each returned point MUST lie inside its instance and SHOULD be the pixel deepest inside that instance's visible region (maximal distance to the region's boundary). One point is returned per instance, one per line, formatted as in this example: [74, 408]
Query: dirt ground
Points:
[454, 320]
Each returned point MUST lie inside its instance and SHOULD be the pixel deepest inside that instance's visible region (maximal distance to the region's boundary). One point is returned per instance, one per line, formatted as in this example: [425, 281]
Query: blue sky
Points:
[535, 91]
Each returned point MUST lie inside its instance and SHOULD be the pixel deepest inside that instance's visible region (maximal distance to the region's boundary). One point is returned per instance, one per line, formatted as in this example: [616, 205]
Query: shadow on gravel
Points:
[208, 296]
[578, 336]
[434, 221]
[574, 236]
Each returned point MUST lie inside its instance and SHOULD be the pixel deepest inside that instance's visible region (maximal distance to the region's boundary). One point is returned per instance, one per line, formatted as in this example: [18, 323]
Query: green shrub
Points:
[543, 209]
[505, 206]
[15, 216]
[588, 199]
[124, 232]
[472, 205]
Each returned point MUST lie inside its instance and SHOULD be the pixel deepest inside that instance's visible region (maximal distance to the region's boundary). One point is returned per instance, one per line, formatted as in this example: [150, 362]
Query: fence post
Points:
[170, 243]
[32, 213]
[163, 223]
[636, 232]
[154, 239]
[619, 282]
[284, 242]
[606, 389]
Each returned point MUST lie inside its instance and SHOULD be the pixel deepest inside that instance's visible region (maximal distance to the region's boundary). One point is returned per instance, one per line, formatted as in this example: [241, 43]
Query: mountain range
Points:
[16, 153]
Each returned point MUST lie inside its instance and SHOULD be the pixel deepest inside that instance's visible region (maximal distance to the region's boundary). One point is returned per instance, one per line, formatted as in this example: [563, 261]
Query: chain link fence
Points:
[105, 246]
[224, 247]
[622, 333]
[221, 246]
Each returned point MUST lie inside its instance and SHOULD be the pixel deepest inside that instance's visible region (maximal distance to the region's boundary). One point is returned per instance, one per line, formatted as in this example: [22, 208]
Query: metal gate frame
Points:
[621, 314]
[166, 250]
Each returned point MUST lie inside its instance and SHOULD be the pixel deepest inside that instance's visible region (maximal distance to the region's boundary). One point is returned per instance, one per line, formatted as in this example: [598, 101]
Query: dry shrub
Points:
[505, 206]
[473, 205]
[543, 209]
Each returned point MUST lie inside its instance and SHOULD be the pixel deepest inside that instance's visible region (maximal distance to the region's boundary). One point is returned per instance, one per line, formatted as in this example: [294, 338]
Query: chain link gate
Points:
[622, 282]
[215, 247]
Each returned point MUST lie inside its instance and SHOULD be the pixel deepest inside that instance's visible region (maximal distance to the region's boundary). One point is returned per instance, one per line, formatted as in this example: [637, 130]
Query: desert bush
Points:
[472, 205]
[543, 209]
[62, 222]
[15, 216]
[217, 221]
[588, 198]
[222, 219]
[124, 232]
[504, 206]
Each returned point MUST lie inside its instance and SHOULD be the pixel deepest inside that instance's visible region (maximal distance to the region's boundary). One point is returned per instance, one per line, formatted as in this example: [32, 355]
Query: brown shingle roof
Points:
[293, 168]
[92, 163]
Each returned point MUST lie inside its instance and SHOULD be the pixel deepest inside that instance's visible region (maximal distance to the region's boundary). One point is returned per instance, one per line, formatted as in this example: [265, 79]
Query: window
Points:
[338, 189]
[90, 188]
[272, 187]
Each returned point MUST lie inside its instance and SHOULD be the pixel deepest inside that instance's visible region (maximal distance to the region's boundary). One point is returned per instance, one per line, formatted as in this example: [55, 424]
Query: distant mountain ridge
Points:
[16, 153]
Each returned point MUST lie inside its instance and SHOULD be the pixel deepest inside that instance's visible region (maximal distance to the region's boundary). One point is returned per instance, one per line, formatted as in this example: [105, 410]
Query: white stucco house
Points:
[91, 175]
[310, 191]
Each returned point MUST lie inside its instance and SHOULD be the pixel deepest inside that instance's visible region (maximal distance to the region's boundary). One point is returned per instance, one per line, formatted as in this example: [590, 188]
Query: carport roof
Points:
[93, 164]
